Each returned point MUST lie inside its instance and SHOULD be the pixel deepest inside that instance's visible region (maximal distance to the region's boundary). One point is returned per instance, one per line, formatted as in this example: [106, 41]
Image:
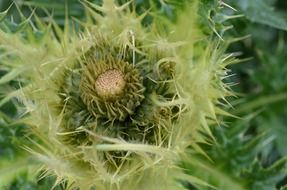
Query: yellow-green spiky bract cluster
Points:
[116, 106]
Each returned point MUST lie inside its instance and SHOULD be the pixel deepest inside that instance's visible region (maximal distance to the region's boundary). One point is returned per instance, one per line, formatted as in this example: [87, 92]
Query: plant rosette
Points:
[116, 106]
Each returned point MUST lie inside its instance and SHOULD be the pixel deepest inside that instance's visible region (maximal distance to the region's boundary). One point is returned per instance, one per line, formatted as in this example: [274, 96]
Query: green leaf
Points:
[260, 102]
[259, 11]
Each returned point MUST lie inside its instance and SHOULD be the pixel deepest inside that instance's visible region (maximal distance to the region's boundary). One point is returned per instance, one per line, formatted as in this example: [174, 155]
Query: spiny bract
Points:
[116, 106]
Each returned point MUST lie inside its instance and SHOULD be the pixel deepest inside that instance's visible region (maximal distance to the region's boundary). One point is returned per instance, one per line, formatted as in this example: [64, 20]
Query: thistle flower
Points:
[116, 106]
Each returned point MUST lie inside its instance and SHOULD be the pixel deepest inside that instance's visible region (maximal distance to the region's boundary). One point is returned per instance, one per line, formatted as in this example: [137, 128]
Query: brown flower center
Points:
[110, 83]
[111, 89]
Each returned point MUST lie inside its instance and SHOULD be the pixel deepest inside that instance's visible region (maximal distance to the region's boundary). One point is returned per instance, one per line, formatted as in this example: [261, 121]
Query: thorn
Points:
[226, 5]
[134, 44]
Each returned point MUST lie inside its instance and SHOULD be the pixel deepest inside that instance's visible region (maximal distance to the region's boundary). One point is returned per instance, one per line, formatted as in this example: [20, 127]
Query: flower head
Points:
[116, 106]
[111, 88]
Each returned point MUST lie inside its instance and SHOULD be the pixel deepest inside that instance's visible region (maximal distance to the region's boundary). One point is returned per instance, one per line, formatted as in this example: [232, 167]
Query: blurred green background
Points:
[250, 153]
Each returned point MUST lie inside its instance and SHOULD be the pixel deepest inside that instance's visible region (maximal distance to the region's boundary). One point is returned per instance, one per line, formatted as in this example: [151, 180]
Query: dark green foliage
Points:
[262, 12]
[263, 79]
[241, 160]
[11, 137]
[250, 154]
